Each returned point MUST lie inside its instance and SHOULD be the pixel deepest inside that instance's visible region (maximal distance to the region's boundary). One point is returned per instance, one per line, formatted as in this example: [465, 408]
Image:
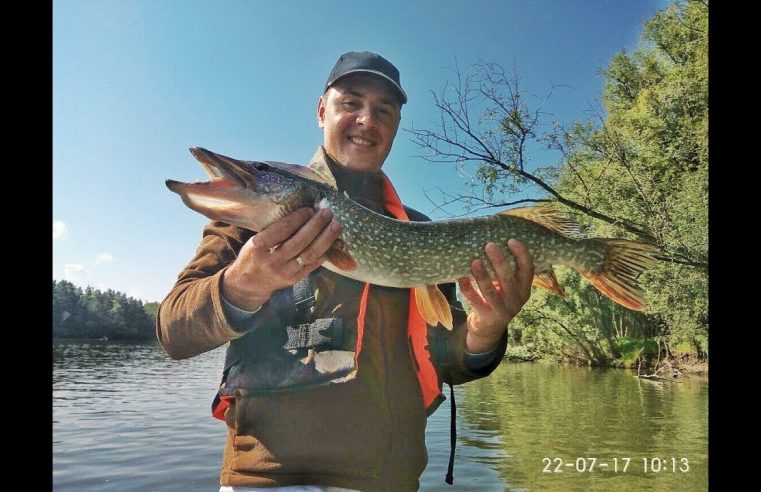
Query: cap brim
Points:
[374, 72]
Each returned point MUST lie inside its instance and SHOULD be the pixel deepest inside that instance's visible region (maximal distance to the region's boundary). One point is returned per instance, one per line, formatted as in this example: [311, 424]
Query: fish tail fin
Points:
[433, 306]
[547, 280]
[623, 264]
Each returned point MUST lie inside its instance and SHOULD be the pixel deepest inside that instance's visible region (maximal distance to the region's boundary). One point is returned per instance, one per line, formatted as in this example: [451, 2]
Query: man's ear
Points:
[321, 110]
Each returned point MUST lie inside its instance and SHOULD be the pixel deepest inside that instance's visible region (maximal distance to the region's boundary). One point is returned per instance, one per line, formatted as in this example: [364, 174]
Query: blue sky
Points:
[135, 83]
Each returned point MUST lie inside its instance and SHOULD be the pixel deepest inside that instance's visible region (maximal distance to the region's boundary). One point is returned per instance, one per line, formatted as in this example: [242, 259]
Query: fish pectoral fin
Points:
[547, 280]
[341, 258]
[433, 306]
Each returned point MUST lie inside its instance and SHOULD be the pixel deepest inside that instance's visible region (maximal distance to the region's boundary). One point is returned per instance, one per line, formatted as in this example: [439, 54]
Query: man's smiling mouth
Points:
[361, 141]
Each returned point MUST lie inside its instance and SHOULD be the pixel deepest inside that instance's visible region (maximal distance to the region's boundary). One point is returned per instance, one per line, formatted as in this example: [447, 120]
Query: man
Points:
[327, 381]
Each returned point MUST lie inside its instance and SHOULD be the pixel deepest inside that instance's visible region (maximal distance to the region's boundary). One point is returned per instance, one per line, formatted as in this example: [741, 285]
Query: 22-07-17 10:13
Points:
[590, 464]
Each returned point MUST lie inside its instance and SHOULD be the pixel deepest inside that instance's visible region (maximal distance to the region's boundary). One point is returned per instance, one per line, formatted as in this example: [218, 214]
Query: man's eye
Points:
[386, 114]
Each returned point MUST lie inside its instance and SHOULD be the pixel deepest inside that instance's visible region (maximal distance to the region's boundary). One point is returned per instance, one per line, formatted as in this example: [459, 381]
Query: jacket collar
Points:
[365, 188]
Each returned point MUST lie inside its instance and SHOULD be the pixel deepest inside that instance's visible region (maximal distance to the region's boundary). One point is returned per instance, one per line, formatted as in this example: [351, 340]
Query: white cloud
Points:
[104, 258]
[136, 293]
[60, 230]
[73, 271]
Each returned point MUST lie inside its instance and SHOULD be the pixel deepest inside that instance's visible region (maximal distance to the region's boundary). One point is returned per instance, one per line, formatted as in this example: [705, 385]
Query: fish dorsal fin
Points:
[433, 306]
[547, 280]
[305, 172]
[548, 218]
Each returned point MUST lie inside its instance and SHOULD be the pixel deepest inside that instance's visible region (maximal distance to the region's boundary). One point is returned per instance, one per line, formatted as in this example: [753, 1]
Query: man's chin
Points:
[364, 166]
[363, 163]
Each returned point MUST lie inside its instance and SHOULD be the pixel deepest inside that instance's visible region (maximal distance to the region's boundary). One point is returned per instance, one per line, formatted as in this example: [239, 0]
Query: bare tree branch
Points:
[485, 204]
[500, 139]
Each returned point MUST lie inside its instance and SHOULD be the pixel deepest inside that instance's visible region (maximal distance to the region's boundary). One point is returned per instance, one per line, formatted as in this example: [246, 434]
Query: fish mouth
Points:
[219, 166]
[236, 192]
[224, 173]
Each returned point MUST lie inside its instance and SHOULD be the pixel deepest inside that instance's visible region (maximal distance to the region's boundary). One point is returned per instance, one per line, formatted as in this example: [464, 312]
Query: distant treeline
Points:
[91, 313]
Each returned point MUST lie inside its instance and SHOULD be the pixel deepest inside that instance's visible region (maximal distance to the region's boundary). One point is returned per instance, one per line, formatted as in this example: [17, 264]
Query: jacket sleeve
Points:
[191, 319]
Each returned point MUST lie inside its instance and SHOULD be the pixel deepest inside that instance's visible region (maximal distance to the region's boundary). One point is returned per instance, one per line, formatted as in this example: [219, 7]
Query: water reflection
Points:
[126, 417]
[543, 411]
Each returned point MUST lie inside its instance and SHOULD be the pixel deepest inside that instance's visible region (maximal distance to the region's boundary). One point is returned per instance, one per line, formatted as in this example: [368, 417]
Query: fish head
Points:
[248, 194]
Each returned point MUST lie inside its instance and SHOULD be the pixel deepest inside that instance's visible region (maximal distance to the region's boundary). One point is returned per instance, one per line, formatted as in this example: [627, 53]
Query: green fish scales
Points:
[413, 254]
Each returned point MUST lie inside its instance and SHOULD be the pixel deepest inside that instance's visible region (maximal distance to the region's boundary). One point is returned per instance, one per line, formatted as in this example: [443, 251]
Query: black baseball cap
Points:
[366, 61]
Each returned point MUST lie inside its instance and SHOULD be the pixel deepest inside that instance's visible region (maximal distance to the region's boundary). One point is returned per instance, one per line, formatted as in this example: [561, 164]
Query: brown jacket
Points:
[365, 433]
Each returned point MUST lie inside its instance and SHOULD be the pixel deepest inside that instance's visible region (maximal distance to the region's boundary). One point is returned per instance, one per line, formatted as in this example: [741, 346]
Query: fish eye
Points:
[260, 166]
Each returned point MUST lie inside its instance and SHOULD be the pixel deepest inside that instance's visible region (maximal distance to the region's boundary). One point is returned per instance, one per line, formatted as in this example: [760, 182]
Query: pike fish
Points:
[380, 250]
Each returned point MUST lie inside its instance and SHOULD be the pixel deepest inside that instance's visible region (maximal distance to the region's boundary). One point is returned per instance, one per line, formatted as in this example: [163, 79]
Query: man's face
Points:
[359, 116]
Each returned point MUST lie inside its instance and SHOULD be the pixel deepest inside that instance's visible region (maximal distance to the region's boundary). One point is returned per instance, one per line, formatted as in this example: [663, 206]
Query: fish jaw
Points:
[240, 193]
[243, 173]
[223, 200]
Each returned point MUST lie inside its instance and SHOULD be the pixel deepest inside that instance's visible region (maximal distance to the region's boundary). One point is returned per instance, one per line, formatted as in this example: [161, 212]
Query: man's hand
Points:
[499, 301]
[279, 256]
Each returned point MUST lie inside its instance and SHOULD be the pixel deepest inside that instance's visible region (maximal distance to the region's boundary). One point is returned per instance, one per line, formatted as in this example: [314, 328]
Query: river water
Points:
[128, 418]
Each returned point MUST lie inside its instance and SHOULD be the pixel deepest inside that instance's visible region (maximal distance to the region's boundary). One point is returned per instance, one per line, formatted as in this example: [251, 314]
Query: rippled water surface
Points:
[128, 418]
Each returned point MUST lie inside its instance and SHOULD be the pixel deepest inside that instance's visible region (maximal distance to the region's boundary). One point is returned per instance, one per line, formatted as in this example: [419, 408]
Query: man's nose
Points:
[367, 117]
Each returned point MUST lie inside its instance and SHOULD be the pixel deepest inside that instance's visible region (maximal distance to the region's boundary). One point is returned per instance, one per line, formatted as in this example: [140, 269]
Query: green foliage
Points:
[585, 327]
[632, 349]
[95, 314]
[525, 351]
[695, 348]
[646, 165]
[638, 171]
[152, 308]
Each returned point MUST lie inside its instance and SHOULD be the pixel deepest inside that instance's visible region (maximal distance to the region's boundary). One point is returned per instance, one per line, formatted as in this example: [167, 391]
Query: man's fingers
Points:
[299, 242]
[491, 295]
[314, 255]
[282, 229]
[469, 292]
[316, 251]
[295, 271]
[501, 266]
[524, 262]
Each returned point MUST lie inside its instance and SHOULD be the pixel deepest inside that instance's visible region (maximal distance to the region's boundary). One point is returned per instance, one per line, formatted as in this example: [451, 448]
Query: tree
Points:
[96, 314]
[637, 170]
[68, 311]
